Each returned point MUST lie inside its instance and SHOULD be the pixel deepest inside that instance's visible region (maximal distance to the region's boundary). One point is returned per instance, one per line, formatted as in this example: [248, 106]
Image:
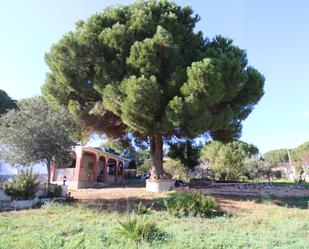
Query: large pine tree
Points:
[142, 69]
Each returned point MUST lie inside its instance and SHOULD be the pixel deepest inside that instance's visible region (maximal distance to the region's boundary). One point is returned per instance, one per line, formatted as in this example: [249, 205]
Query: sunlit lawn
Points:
[250, 225]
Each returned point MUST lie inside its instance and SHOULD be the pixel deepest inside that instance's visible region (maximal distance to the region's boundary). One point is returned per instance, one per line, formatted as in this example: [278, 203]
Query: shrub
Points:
[50, 242]
[23, 186]
[143, 209]
[191, 203]
[145, 167]
[138, 229]
[54, 191]
[174, 167]
[227, 160]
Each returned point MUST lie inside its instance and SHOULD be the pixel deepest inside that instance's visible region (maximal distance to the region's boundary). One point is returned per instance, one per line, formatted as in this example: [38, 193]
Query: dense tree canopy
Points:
[256, 167]
[186, 152]
[6, 102]
[300, 152]
[36, 133]
[227, 161]
[141, 68]
[276, 157]
[280, 156]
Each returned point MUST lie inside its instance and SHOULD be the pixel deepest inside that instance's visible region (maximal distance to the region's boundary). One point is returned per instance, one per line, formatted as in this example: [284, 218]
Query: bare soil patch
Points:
[115, 193]
[124, 198]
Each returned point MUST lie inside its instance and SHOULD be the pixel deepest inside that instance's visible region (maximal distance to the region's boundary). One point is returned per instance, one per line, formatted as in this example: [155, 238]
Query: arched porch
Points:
[89, 167]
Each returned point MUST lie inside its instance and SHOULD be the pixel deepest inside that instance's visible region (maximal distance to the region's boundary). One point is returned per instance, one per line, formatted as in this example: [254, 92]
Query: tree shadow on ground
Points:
[291, 202]
[132, 183]
[129, 205]
[133, 204]
[120, 205]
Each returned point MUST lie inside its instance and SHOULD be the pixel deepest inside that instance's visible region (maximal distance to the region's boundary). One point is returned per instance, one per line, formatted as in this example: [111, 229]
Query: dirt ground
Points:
[114, 193]
[122, 198]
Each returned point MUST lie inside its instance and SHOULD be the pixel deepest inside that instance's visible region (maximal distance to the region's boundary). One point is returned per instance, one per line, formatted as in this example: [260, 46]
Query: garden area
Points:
[139, 219]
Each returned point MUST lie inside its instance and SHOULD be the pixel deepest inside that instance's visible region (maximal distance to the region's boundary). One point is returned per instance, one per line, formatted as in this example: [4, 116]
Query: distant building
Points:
[290, 173]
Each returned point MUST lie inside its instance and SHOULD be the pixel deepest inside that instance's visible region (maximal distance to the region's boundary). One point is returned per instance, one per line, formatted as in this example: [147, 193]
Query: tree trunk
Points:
[48, 175]
[156, 151]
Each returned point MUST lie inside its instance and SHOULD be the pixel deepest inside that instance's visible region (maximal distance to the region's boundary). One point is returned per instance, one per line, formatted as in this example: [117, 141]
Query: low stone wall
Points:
[254, 189]
[26, 204]
[6, 202]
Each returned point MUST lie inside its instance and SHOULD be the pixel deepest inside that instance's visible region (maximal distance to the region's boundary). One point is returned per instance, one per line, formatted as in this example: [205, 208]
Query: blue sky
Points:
[274, 34]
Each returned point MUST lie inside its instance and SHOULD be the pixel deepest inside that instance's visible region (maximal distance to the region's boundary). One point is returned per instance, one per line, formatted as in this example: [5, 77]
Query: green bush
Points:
[23, 186]
[191, 203]
[138, 229]
[143, 209]
[54, 191]
[145, 167]
[175, 168]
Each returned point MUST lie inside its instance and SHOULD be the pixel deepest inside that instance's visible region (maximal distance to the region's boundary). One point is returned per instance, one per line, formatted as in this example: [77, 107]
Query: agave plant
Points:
[191, 203]
[138, 229]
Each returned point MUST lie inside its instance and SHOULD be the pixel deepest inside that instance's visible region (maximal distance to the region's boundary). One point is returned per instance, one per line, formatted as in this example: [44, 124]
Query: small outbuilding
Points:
[89, 167]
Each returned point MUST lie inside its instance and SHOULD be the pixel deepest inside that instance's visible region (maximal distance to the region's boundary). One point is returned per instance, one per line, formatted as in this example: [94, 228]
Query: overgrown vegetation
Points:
[253, 225]
[23, 186]
[191, 203]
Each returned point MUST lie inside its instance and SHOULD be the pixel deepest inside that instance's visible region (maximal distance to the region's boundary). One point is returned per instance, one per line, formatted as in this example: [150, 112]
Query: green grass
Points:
[254, 225]
[286, 183]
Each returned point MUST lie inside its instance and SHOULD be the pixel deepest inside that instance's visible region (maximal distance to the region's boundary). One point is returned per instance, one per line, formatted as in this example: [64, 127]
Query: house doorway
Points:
[101, 173]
